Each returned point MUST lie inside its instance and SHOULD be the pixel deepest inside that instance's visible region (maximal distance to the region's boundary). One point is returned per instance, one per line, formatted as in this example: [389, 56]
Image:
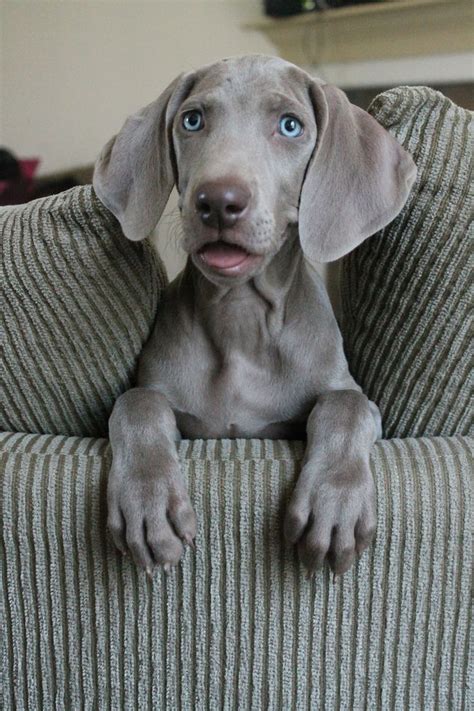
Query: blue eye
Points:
[290, 127]
[193, 120]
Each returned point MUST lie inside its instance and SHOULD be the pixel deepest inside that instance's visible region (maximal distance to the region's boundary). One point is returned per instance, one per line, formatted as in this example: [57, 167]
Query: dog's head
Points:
[254, 145]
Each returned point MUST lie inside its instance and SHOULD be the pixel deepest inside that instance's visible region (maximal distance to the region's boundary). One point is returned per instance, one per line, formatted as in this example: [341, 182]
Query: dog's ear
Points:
[134, 174]
[356, 182]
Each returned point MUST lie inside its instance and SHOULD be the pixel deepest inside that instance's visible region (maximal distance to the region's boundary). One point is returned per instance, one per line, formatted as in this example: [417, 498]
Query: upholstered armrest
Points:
[79, 302]
[237, 624]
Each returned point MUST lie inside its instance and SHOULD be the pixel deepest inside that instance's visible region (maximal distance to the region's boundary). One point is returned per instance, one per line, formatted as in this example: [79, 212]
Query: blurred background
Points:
[71, 71]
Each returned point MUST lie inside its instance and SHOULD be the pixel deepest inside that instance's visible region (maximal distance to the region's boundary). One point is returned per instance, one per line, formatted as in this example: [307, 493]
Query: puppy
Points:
[275, 170]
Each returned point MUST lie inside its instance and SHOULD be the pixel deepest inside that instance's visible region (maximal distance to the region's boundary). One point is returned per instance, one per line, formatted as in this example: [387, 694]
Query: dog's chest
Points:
[241, 393]
[240, 398]
[239, 367]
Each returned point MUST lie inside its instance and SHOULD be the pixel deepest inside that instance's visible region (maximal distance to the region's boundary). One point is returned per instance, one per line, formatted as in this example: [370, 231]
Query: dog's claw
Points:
[149, 572]
[334, 578]
[167, 568]
[190, 542]
[310, 575]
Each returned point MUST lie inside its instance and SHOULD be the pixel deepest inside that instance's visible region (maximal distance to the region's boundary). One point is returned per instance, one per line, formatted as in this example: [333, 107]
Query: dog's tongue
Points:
[223, 255]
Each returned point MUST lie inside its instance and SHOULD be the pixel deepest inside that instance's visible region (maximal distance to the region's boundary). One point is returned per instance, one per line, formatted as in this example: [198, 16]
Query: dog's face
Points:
[254, 144]
[242, 139]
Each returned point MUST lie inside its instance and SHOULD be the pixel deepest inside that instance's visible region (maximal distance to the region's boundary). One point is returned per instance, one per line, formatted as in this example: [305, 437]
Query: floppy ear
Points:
[134, 174]
[357, 180]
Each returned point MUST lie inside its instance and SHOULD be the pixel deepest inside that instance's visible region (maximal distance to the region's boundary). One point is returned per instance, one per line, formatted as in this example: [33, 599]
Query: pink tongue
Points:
[222, 255]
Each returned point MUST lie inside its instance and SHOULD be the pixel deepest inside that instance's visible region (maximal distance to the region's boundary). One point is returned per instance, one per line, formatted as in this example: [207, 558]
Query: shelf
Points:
[387, 30]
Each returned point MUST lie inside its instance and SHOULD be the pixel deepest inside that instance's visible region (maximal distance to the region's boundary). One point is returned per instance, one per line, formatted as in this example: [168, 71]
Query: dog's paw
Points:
[150, 517]
[331, 516]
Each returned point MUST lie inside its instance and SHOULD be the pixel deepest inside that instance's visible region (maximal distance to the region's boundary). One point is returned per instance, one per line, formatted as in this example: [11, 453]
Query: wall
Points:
[73, 71]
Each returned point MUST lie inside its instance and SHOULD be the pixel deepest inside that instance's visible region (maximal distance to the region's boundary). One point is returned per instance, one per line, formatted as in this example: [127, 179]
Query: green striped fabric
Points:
[237, 625]
[79, 300]
[406, 292]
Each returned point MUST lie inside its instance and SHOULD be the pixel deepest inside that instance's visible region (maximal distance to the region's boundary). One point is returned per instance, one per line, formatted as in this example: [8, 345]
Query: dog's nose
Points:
[221, 204]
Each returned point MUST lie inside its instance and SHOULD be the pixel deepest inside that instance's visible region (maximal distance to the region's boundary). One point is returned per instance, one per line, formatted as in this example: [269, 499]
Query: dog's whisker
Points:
[175, 236]
[173, 232]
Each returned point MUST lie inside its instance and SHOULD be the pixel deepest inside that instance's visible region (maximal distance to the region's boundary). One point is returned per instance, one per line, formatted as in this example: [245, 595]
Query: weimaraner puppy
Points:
[274, 169]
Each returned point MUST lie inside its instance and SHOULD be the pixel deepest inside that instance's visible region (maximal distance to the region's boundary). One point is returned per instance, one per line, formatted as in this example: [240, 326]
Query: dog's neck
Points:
[269, 289]
[258, 306]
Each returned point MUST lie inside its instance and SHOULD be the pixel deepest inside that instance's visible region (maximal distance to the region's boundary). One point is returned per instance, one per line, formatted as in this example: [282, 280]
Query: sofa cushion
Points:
[79, 302]
[405, 291]
[237, 624]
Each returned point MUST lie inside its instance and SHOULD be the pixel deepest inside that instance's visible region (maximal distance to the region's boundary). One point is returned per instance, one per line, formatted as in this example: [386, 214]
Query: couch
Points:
[238, 625]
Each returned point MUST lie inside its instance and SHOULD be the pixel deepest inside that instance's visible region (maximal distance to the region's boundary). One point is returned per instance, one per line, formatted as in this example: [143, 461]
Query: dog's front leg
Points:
[149, 511]
[331, 515]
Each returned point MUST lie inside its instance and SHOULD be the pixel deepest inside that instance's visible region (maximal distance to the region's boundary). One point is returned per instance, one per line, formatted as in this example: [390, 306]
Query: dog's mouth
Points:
[225, 257]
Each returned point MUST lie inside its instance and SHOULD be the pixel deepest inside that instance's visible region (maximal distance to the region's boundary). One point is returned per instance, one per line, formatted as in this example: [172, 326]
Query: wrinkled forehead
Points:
[248, 81]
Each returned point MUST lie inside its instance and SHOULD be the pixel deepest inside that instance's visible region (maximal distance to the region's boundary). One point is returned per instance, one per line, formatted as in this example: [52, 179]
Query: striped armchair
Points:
[237, 625]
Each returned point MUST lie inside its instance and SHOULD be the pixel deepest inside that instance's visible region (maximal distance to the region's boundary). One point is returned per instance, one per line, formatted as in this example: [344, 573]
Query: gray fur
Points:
[253, 353]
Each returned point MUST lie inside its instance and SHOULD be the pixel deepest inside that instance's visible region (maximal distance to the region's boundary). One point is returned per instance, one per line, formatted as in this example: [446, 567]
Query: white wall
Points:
[73, 71]
[432, 69]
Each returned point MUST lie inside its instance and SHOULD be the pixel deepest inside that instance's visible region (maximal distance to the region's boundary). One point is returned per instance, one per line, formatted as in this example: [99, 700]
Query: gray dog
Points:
[273, 168]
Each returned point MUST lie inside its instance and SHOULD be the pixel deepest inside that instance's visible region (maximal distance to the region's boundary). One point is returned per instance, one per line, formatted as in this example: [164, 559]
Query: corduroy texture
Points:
[406, 292]
[237, 625]
[79, 300]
